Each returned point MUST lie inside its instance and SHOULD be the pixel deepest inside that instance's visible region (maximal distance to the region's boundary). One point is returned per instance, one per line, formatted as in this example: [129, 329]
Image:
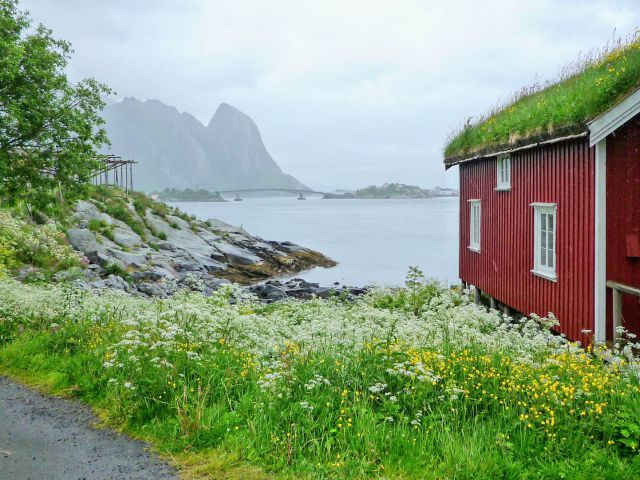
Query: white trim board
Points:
[614, 118]
[600, 250]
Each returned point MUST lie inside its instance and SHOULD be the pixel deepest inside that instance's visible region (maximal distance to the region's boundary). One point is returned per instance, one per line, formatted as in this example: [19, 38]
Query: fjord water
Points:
[373, 241]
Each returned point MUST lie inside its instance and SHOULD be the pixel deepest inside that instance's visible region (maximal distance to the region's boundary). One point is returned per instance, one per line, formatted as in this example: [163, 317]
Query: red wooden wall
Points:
[561, 173]
[623, 218]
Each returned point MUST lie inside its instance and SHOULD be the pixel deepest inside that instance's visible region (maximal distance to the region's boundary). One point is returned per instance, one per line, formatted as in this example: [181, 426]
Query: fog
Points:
[346, 92]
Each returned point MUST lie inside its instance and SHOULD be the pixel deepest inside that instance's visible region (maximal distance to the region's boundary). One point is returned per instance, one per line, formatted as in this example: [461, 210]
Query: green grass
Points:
[115, 269]
[202, 380]
[114, 202]
[102, 227]
[583, 92]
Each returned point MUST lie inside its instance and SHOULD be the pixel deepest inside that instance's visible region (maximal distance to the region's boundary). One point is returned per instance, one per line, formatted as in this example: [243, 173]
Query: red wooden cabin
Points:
[553, 224]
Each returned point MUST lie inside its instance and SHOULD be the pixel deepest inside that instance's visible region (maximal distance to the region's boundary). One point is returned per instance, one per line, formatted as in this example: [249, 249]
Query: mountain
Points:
[175, 150]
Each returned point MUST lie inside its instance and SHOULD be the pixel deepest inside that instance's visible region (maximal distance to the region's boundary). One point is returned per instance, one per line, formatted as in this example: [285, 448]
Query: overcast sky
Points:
[346, 93]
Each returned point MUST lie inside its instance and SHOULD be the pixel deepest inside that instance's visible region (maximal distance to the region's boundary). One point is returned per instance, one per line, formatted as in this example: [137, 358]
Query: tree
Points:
[50, 130]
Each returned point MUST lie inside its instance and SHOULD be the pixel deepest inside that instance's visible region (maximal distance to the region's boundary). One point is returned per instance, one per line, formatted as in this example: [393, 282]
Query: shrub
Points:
[43, 246]
[102, 227]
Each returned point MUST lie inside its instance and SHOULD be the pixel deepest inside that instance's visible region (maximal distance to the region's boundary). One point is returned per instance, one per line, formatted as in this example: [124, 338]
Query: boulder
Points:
[153, 289]
[83, 240]
[126, 237]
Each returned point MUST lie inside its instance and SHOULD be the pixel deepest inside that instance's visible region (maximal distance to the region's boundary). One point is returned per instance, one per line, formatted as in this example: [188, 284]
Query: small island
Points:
[393, 191]
[187, 195]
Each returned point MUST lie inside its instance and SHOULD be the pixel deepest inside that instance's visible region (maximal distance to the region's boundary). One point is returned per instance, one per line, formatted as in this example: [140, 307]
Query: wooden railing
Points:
[618, 289]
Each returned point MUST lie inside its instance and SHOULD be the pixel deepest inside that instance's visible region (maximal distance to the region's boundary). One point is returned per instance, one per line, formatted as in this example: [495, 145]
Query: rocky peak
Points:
[175, 150]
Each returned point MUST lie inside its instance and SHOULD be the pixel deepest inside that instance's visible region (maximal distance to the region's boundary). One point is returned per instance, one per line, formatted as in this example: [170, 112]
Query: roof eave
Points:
[614, 118]
[448, 163]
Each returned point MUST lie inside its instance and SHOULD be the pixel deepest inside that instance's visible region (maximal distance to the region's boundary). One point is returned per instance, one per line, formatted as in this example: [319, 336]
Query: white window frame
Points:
[503, 171]
[542, 267]
[475, 224]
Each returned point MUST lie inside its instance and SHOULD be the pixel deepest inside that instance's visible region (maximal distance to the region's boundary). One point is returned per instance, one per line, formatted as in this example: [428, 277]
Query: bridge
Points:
[300, 192]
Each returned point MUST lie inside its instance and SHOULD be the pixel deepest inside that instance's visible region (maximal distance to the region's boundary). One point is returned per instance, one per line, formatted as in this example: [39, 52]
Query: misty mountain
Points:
[175, 150]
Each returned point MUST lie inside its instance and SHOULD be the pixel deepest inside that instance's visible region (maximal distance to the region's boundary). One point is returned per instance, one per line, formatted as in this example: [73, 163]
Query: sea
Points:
[374, 241]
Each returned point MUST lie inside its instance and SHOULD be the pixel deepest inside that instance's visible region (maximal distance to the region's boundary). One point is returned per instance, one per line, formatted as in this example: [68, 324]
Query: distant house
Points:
[550, 200]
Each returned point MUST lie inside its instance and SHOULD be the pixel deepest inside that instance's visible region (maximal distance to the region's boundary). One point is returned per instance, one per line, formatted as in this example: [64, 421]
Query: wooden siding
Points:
[562, 173]
[623, 219]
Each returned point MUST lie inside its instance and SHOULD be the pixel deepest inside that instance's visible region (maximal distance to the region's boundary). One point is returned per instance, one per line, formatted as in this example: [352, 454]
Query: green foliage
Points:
[161, 235]
[174, 225]
[115, 269]
[102, 227]
[625, 426]
[414, 298]
[583, 92]
[115, 203]
[189, 195]
[42, 246]
[142, 203]
[331, 389]
[49, 129]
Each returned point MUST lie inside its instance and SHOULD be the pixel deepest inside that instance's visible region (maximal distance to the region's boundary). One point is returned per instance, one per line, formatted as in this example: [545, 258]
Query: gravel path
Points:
[51, 438]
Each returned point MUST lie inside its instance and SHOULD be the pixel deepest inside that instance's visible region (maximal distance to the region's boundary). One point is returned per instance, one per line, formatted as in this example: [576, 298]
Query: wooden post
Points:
[494, 304]
[506, 310]
[617, 313]
[131, 175]
[477, 295]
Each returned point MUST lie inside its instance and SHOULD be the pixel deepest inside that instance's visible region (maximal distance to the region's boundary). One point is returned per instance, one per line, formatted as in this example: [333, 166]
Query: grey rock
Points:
[126, 237]
[237, 255]
[166, 246]
[69, 274]
[326, 292]
[27, 272]
[288, 247]
[156, 289]
[83, 240]
[153, 274]
[268, 292]
[114, 282]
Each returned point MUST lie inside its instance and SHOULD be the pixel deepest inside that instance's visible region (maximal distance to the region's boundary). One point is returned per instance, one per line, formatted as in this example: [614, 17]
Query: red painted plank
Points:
[561, 174]
[623, 218]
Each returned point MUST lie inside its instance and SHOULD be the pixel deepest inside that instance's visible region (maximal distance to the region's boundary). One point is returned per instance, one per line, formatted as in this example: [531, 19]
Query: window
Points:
[503, 165]
[545, 226]
[474, 225]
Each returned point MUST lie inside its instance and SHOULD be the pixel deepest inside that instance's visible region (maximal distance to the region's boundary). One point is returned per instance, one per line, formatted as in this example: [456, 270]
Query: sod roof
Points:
[554, 110]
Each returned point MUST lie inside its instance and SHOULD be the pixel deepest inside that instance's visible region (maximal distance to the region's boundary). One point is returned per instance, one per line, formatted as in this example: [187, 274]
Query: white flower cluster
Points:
[35, 241]
[156, 332]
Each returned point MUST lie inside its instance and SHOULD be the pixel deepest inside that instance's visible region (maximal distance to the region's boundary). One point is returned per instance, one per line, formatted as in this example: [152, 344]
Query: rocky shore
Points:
[275, 290]
[154, 250]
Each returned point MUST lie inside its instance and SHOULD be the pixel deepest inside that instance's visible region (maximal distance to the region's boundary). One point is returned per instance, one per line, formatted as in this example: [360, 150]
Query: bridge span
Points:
[284, 190]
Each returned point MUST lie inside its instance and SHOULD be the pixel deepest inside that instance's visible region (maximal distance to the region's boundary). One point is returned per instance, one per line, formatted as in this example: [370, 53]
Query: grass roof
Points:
[583, 91]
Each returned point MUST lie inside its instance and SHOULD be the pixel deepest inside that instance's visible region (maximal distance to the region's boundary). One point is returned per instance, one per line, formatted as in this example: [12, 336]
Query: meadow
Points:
[406, 383]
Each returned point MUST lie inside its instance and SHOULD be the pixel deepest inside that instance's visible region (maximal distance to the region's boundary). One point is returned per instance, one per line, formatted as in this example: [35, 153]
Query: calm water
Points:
[373, 241]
